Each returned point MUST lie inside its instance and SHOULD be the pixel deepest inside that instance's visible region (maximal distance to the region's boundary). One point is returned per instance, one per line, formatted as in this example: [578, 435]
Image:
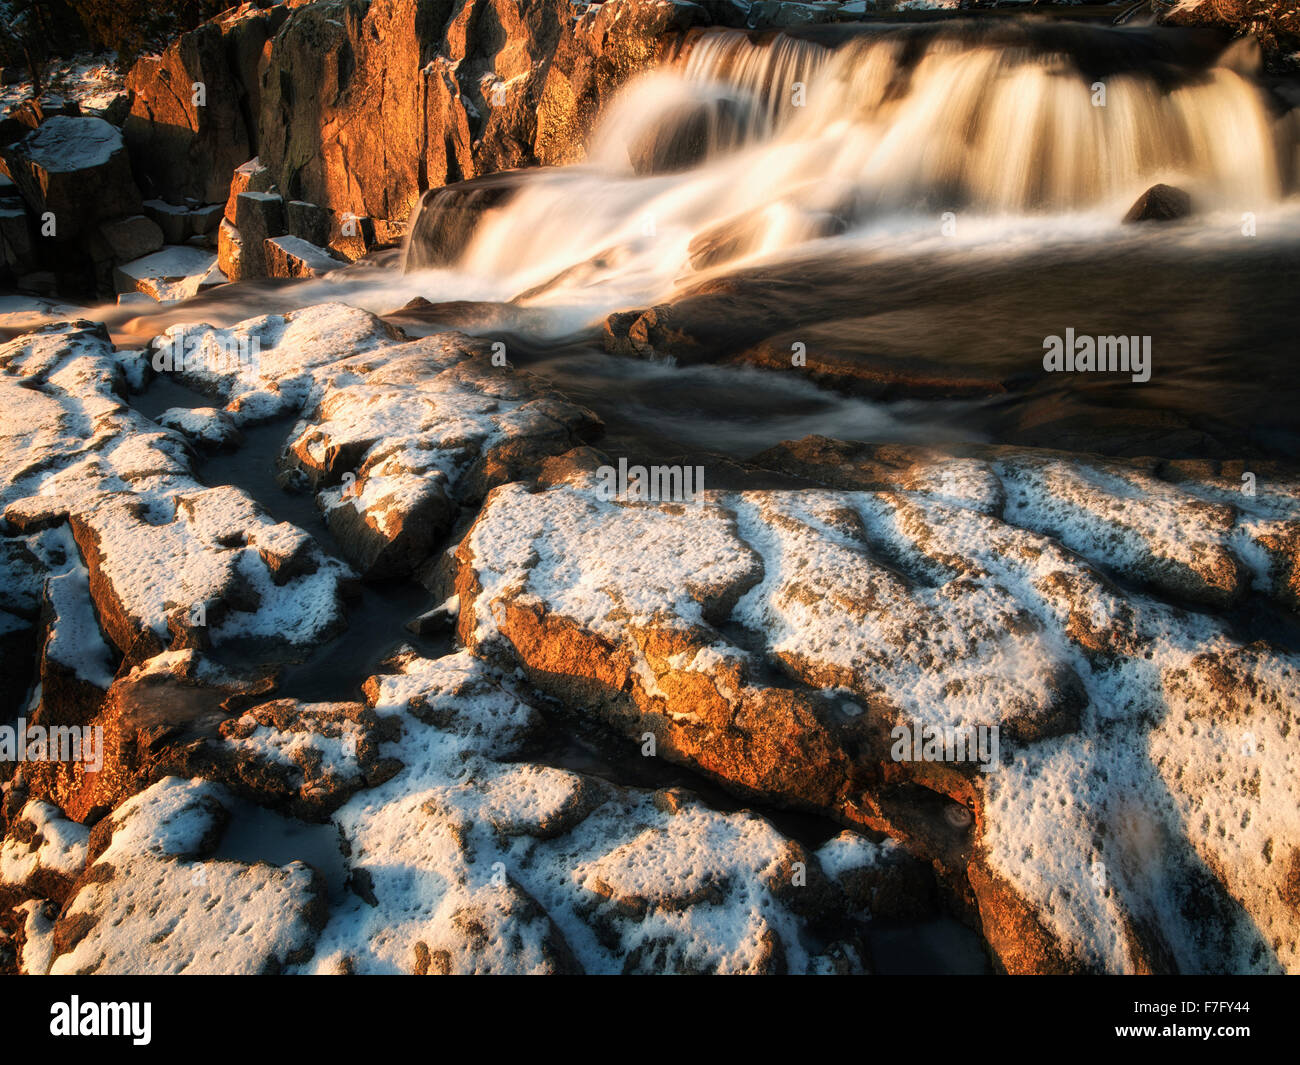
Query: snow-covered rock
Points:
[42, 853]
[293, 257]
[175, 273]
[75, 168]
[205, 427]
[395, 435]
[958, 592]
[106, 499]
[463, 863]
[150, 904]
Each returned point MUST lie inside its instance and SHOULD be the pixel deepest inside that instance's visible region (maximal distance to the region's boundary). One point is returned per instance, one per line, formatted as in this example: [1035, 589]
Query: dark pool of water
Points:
[378, 612]
[255, 834]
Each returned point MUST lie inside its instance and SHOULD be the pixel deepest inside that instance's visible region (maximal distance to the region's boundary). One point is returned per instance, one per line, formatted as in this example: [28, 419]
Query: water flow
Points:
[746, 148]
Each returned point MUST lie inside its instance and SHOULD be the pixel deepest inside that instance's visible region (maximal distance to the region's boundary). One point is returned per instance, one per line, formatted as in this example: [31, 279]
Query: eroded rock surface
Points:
[1124, 625]
[147, 904]
[776, 640]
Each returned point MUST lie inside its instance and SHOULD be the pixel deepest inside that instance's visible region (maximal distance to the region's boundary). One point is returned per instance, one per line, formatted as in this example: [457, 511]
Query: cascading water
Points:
[745, 147]
[815, 172]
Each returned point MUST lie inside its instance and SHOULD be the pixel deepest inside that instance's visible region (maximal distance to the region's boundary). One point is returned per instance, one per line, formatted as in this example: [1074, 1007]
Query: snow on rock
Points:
[76, 665]
[175, 273]
[1130, 522]
[134, 547]
[76, 168]
[462, 862]
[268, 366]
[169, 561]
[21, 312]
[64, 144]
[304, 758]
[91, 80]
[37, 950]
[154, 902]
[395, 435]
[294, 257]
[205, 427]
[42, 853]
[777, 639]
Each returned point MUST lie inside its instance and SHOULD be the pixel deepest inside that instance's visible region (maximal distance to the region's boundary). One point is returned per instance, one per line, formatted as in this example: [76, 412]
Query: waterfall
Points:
[750, 144]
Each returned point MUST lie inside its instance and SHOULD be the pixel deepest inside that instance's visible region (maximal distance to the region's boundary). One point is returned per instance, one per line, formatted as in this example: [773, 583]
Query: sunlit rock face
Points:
[455, 103]
[385, 669]
[780, 640]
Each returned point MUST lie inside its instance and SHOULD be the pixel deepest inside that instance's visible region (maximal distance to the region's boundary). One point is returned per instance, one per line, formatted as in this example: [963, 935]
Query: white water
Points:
[1008, 139]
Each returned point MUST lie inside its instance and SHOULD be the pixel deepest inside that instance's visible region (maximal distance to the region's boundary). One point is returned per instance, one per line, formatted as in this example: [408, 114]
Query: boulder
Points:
[258, 215]
[230, 251]
[447, 217]
[1160, 203]
[77, 169]
[292, 257]
[351, 237]
[207, 428]
[125, 239]
[251, 176]
[36, 110]
[171, 219]
[685, 135]
[175, 273]
[308, 222]
[16, 249]
[734, 237]
[180, 224]
[154, 900]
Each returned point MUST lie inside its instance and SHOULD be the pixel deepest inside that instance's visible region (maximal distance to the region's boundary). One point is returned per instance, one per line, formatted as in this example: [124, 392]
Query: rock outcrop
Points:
[466, 89]
[75, 171]
[194, 109]
[780, 640]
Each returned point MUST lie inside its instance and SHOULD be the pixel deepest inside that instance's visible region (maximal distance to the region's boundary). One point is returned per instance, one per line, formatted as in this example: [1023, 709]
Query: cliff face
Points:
[359, 106]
